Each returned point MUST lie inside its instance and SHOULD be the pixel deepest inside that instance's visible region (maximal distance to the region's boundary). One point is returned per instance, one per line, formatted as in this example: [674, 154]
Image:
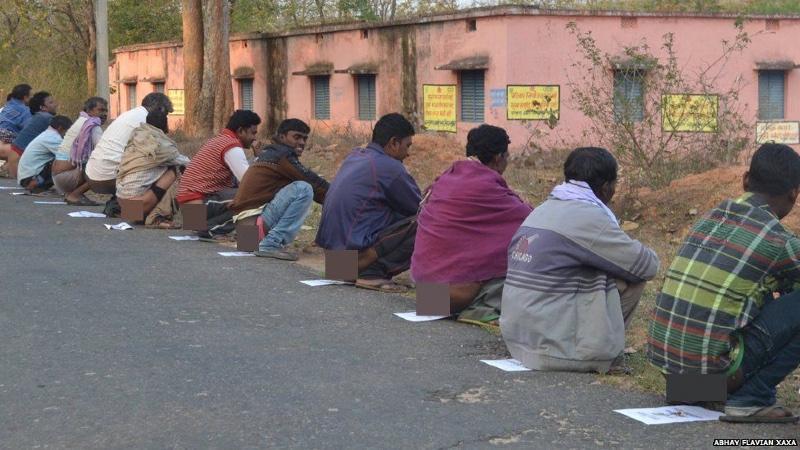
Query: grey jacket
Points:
[561, 307]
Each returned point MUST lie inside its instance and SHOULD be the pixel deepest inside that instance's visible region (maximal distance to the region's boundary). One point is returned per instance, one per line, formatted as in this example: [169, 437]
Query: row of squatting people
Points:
[727, 305]
[23, 118]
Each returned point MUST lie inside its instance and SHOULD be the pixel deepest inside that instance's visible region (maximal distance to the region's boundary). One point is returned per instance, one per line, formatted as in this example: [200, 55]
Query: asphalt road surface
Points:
[127, 339]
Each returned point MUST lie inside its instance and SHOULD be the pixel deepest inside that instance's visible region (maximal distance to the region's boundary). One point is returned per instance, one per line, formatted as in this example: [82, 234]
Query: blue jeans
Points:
[285, 214]
[771, 351]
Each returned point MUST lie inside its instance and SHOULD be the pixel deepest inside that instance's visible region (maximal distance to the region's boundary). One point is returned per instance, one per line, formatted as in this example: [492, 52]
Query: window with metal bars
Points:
[771, 94]
[158, 87]
[366, 97]
[472, 102]
[629, 95]
[246, 94]
[322, 97]
[131, 96]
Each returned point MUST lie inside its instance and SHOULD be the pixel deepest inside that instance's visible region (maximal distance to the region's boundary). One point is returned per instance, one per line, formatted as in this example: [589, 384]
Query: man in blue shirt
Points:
[15, 113]
[35, 165]
[44, 107]
[372, 204]
[13, 117]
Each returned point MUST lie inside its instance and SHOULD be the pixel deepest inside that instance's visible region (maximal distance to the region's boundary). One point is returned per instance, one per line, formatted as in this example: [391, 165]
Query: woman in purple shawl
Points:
[465, 224]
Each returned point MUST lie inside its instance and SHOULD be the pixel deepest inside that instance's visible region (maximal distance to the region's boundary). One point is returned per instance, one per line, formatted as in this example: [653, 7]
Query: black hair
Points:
[9, 97]
[242, 118]
[20, 91]
[158, 119]
[774, 170]
[293, 125]
[157, 100]
[37, 101]
[390, 126]
[62, 122]
[486, 141]
[93, 102]
[594, 165]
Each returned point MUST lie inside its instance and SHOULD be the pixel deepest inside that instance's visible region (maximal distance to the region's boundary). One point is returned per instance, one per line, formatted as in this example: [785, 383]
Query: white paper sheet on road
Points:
[315, 283]
[185, 238]
[412, 316]
[670, 414]
[120, 226]
[18, 193]
[50, 202]
[86, 214]
[235, 253]
[508, 365]
[11, 188]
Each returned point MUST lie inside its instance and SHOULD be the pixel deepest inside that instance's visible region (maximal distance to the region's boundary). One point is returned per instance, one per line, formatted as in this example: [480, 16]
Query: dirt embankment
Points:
[674, 208]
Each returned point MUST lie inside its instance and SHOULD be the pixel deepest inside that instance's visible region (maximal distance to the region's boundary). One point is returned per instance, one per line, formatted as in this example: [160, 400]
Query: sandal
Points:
[758, 414]
[163, 223]
[82, 201]
[381, 285]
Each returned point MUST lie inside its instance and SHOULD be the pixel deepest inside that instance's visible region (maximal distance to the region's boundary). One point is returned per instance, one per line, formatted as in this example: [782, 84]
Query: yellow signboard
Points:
[439, 107]
[533, 102]
[176, 96]
[689, 113]
[778, 132]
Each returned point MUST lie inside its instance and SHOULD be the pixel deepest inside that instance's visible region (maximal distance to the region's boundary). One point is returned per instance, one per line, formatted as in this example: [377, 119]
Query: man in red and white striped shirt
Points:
[213, 172]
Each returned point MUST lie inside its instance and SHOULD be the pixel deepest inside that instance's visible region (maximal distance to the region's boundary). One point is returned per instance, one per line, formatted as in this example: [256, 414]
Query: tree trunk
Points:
[208, 95]
[193, 39]
[91, 73]
[91, 53]
[217, 90]
[320, 10]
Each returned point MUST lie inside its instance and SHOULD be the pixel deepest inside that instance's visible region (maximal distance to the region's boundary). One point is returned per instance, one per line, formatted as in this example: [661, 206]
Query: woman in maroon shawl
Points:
[465, 224]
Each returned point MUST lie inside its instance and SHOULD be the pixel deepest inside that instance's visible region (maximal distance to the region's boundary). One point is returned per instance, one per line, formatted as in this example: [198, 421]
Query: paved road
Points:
[130, 340]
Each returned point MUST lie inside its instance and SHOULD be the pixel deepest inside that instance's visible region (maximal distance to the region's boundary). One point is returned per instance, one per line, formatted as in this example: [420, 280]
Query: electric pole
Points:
[101, 24]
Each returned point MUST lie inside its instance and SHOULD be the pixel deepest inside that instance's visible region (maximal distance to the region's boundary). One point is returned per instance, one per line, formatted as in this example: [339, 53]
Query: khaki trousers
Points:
[629, 296]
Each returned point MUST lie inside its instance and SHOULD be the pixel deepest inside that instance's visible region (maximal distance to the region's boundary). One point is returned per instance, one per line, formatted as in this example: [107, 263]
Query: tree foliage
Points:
[137, 21]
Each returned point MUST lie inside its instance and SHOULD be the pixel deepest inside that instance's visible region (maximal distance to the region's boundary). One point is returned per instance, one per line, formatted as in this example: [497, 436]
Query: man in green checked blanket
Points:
[729, 303]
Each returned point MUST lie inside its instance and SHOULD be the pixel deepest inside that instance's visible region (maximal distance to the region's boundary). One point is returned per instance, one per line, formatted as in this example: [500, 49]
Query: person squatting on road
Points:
[729, 304]
[465, 223]
[574, 277]
[149, 171]
[279, 189]
[371, 206]
[69, 174]
[216, 169]
[13, 118]
[35, 165]
[103, 164]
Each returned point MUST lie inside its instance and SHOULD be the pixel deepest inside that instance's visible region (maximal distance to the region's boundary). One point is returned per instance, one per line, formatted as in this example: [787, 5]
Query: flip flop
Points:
[385, 286]
[758, 415]
[84, 201]
[164, 225]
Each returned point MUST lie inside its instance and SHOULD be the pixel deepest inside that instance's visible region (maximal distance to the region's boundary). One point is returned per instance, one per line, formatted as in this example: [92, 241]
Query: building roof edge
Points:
[471, 13]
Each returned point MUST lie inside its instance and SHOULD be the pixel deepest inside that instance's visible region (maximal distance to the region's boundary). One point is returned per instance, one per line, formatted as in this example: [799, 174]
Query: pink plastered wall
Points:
[521, 49]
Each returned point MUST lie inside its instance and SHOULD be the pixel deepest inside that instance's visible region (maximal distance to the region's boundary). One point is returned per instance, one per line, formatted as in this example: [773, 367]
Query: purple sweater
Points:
[370, 192]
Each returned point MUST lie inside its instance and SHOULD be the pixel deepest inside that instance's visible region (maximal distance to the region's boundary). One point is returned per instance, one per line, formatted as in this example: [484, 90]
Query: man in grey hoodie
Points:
[574, 277]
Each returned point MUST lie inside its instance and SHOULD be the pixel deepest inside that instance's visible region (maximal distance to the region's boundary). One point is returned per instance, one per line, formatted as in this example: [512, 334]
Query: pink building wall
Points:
[523, 46]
